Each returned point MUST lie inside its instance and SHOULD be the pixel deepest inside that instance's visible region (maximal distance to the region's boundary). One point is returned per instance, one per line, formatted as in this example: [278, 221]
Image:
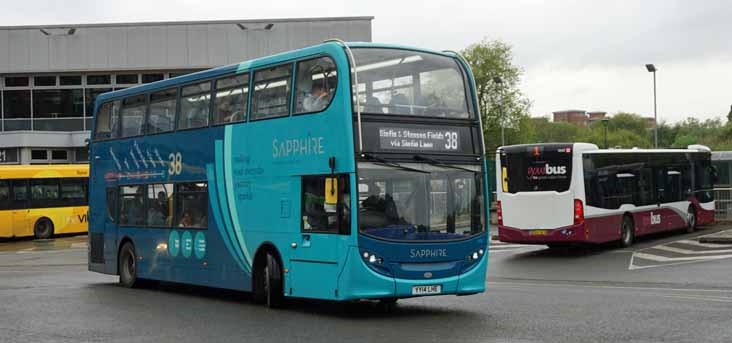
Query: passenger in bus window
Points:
[186, 220]
[155, 216]
[317, 100]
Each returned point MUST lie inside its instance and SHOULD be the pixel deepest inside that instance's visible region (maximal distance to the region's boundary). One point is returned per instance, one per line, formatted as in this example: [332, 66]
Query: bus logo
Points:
[547, 170]
[83, 218]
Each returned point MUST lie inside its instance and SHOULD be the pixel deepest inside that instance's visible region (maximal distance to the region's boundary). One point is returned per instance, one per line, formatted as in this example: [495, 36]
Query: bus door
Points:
[109, 224]
[20, 198]
[323, 236]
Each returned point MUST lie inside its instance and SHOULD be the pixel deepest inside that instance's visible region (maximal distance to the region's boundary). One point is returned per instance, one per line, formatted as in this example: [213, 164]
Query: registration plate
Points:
[537, 233]
[427, 289]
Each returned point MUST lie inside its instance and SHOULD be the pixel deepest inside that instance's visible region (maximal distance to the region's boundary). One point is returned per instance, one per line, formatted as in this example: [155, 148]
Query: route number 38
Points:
[451, 140]
[175, 166]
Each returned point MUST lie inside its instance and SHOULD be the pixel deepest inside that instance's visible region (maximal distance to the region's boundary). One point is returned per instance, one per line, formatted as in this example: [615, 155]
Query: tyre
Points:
[43, 229]
[127, 266]
[691, 219]
[627, 232]
[268, 285]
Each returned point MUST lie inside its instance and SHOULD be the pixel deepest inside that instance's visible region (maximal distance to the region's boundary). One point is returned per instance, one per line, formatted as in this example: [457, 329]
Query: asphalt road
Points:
[664, 289]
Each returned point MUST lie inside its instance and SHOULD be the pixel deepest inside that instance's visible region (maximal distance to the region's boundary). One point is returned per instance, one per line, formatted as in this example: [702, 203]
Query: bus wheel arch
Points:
[627, 230]
[268, 276]
[691, 218]
[43, 228]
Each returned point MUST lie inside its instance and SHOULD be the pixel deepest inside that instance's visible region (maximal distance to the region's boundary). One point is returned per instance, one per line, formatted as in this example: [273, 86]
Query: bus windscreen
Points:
[536, 168]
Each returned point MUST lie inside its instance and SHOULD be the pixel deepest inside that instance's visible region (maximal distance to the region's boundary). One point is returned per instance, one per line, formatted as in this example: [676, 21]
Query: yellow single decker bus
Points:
[43, 200]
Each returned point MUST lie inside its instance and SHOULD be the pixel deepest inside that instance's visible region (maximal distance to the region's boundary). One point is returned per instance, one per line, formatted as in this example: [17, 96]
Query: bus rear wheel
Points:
[691, 219]
[627, 232]
[127, 266]
[43, 229]
[268, 282]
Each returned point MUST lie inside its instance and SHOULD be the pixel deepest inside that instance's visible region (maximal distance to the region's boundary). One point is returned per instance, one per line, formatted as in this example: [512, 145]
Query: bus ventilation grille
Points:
[96, 242]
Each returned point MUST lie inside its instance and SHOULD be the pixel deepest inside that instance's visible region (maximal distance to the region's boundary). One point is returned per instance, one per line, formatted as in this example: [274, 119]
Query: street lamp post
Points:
[604, 123]
[652, 69]
[497, 80]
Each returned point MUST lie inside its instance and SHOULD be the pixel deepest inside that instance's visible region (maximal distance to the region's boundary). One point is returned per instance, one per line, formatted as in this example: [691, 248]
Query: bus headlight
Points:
[372, 258]
[476, 255]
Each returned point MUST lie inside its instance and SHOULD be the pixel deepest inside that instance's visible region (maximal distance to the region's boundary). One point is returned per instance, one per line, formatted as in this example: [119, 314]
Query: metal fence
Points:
[723, 204]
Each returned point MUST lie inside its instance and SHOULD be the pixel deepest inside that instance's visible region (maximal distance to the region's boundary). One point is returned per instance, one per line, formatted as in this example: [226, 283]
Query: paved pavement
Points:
[722, 237]
[534, 295]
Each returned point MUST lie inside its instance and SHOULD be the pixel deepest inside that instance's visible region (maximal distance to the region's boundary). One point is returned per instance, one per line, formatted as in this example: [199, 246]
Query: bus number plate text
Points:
[426, 289]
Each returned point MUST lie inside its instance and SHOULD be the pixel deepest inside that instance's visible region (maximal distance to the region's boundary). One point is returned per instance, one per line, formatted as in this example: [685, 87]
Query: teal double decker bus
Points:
[341, 171]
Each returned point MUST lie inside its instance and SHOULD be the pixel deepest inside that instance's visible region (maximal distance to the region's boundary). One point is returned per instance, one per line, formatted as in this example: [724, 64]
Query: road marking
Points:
[679, 252]
[575, 284]
[691, 252]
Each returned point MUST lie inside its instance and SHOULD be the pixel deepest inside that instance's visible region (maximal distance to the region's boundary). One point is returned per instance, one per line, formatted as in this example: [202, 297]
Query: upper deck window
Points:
[195, 105]
[403, 82]
[315, 84]
[162, 111]
[107, 121]
[232, 94]
[133, 115]
[271, 96]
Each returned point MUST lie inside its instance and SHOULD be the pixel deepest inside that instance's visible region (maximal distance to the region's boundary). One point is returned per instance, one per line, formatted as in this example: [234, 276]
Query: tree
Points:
[500, 100]
[729, 116]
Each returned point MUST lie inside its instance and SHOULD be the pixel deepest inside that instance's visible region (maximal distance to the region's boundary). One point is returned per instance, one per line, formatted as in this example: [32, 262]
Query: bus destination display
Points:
[395, 138]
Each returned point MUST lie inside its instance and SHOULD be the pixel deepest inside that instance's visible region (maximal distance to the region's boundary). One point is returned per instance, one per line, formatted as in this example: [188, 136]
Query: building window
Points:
[271, 96]
[232, 95]
[39, 155]
[59, 155]
[133, 115]
[159, 205]
[127, 79]
[315, 84]
[132, 205]
[16, 81]
[70, 80]
[148, 78]
[195, 105]
[81, 155]
[17, 103]
[191, 206]
[44, 81]
[98, 79]
[58, 103]
[162, 111]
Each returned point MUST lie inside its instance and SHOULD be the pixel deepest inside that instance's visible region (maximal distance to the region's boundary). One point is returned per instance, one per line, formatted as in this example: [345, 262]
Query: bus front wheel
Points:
[127, 266]
[268, 282]
[627, 232]
[43, 229]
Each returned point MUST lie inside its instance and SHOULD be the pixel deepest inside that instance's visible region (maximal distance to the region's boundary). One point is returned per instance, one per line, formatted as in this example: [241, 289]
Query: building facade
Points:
[51, 75]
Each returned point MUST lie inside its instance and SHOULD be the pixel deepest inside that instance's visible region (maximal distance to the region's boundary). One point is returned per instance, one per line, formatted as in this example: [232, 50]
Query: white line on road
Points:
[706, 245]
[658, 258]
[690, 252]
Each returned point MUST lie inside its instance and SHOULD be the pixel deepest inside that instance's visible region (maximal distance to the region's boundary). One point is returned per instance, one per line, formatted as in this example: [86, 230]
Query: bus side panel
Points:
[603, 228]
[65, 219]
[6, 224]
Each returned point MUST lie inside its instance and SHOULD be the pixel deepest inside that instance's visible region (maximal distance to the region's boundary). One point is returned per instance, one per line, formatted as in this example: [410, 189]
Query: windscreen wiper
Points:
[380, 160]
[437, 163]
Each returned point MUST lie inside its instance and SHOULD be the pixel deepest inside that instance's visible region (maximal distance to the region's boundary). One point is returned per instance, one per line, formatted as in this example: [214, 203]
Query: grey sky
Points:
[575, 54]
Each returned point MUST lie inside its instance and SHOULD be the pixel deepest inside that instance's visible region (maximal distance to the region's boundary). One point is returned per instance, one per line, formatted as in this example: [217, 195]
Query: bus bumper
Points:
[568, 234]
[358, 281]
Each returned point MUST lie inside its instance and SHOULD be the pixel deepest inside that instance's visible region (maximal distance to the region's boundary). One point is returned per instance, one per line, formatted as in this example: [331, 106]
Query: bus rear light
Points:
[499, 212]
[579, 212]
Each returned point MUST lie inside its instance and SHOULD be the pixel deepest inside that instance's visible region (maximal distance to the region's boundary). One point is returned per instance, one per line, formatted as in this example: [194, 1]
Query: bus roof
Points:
[251, 64]
[39, 171]
[594, 149]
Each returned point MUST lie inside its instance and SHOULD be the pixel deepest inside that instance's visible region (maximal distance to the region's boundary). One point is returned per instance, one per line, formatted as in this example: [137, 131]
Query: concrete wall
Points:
[164, 46]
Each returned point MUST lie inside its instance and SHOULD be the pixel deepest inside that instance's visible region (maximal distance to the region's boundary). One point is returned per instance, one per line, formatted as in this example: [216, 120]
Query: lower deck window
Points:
[192, 205]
